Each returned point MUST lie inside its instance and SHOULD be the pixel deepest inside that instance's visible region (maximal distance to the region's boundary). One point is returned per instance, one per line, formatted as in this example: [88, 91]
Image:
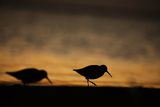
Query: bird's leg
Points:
[24, 83]
[88, 82]
[92, 83]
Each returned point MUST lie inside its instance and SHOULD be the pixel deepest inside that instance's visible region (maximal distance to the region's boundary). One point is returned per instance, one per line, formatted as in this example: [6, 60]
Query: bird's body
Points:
[92, 72]
[29, 75]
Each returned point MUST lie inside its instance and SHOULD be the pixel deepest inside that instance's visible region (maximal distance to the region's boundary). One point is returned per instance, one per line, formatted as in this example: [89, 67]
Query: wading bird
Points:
[30, 75]
[92, 72]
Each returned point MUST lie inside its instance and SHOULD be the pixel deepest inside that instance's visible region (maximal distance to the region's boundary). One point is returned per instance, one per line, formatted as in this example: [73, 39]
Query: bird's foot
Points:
[93, 83]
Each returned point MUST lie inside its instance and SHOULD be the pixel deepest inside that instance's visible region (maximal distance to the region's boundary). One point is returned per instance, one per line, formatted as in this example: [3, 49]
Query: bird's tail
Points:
[74, 69]
[9, 73]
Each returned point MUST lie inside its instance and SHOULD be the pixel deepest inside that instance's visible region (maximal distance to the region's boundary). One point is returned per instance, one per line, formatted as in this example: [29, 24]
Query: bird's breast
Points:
[93, 75]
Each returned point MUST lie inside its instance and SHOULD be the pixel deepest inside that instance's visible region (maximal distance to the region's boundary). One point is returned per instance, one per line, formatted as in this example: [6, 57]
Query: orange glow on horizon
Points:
[60, 69]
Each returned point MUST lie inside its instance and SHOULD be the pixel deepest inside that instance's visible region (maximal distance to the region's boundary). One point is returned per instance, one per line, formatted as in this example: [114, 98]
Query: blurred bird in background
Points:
[30, 75]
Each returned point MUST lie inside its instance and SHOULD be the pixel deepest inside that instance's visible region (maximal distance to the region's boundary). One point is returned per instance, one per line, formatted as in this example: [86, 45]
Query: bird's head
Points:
[104, 68]
[45, 75]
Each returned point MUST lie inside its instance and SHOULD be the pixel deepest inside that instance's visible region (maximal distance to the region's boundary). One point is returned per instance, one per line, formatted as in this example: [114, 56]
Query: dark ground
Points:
[20, 96]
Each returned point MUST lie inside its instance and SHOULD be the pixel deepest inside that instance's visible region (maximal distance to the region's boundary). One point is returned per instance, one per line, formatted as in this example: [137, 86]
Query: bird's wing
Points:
[24, 73]
[91, 68]
[87, 70]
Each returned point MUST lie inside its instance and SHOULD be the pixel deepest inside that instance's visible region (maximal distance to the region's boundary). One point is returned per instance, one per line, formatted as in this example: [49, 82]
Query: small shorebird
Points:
[92, 72]
[30, 75]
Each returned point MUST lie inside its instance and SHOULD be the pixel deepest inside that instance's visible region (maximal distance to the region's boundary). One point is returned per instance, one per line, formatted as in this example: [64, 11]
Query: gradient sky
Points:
[60, 36]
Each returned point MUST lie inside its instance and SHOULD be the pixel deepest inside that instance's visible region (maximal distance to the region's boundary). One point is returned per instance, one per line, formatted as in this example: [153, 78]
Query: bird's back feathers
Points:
[90, 72]
[28, 75]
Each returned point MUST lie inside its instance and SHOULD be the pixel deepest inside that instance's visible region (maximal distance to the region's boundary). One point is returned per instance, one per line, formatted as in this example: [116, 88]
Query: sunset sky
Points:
[61, 35]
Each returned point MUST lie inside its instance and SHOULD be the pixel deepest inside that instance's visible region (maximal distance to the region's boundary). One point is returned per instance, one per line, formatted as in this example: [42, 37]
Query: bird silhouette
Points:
[92, 72]
[30, 75]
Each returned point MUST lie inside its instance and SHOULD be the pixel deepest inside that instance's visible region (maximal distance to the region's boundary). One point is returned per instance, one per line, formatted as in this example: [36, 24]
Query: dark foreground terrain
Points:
[20, 96]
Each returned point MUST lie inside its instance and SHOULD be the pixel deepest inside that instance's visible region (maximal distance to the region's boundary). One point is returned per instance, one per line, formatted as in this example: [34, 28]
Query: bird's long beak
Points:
[109, 73]
[49, 80]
